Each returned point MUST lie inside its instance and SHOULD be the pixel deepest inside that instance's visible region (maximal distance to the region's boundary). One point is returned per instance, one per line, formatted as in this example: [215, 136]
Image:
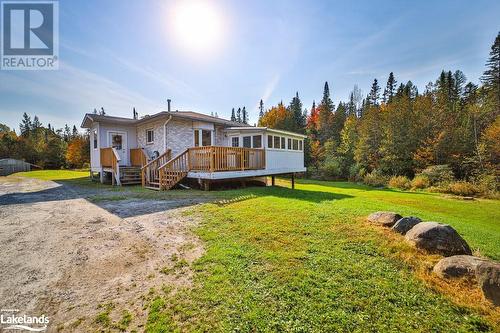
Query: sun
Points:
[196, 25]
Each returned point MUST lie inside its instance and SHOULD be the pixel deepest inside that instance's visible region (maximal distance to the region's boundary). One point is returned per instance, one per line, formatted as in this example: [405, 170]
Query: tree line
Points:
[397, 130]
[46, 147]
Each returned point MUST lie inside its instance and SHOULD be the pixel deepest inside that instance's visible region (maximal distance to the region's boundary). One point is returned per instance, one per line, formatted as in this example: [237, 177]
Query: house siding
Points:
[179, 135]
[159, 140]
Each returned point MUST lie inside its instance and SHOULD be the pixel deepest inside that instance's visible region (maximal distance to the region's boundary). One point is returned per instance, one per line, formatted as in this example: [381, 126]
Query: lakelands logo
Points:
[10, 320]
[29, 35]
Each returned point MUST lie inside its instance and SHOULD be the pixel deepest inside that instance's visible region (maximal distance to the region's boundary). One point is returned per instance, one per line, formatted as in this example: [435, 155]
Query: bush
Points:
[331, 168]
[463, 188]
[438, 174]
[400, 182]
[375, 178]
[356, 173]
[420, 182]
[488, 185]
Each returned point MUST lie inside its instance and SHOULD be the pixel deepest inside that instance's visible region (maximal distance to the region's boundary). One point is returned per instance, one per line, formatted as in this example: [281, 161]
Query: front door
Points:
[118, 140]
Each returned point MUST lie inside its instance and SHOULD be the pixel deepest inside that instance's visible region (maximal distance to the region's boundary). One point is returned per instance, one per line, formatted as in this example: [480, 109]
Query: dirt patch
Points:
[90, 266]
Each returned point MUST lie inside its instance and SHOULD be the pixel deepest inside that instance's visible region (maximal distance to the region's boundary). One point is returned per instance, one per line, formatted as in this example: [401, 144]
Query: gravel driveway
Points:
[71, 259]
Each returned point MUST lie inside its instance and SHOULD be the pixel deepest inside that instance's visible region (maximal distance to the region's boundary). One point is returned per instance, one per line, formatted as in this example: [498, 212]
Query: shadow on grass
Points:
[121, 201]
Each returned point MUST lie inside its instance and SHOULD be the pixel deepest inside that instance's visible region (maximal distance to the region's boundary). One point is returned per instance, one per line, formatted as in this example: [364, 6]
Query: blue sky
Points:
[124, 54]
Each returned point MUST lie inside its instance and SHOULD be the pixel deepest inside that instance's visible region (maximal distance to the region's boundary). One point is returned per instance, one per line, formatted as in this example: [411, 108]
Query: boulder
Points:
[488, 277]
[386, 219]
[458, 266]
[405, 224]
[437, 238]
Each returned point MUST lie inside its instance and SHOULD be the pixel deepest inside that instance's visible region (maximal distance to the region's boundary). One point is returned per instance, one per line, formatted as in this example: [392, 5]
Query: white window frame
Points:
[200, 137]
[147, 135]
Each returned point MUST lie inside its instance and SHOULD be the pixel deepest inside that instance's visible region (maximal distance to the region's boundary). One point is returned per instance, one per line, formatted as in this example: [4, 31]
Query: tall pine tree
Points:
[390, 88]
[233, 116]
[325, 115]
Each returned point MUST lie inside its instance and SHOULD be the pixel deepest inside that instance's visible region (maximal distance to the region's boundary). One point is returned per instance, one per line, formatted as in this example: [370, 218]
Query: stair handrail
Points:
[176, 158]
[116, 165]
[145, 175]
[179, 164]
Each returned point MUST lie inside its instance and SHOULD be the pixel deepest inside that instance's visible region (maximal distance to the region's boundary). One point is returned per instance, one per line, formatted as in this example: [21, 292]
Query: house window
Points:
[300, 145]
[295, 144]
[277, 141]
[289, 144]
[196, 138]
[235, 141]
[150, 136]
[247, 141]
[269, 141]
[282, 143]
[94, 133]
[204, 136]
[257, 141]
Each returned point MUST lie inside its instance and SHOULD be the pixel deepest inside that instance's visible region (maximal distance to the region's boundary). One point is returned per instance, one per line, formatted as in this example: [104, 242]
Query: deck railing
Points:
[138, 157]
[150, 172]
[215, 159]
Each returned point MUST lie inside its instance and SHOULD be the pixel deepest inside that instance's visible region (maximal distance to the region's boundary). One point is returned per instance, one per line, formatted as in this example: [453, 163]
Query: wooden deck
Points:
[166, 171]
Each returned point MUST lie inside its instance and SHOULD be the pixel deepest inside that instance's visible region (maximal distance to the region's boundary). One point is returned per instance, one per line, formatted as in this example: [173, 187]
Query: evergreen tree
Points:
[491, 76]
[390, 88]
[244, 116]
[374, 95]
[102, 113]
[74, 134]
[325, 115]
[233, 116]
[36, 124]
[298, 121]
[26, 125]
[238, 115]
[135, 115]
[261, 109]
[67, 133]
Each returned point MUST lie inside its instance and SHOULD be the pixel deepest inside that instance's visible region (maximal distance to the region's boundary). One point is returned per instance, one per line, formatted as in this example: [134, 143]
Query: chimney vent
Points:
[168, 102]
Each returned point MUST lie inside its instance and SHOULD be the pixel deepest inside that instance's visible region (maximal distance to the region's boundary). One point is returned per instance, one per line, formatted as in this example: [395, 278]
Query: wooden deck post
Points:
[293, 180]
[272, 181]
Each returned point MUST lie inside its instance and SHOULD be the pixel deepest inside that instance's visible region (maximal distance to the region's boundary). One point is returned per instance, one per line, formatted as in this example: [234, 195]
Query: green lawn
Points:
[305, 260]
[55, 174]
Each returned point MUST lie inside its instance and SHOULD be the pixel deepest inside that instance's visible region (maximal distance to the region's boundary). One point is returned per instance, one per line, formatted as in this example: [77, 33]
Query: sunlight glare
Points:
[197, 25]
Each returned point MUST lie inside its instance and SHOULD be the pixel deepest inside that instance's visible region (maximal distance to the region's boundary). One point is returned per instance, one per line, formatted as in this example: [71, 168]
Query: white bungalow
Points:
[161, 150]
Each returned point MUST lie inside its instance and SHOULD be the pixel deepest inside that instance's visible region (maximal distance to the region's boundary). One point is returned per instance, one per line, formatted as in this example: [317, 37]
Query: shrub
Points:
[400, 182]
[331, 169]
[462, 188]
[488, 185]
[437, 174]
[420, 182]
[375, 178]
[356, 173]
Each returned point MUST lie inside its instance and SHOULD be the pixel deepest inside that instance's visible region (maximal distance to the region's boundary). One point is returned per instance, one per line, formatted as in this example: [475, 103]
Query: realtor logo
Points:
[30, 35]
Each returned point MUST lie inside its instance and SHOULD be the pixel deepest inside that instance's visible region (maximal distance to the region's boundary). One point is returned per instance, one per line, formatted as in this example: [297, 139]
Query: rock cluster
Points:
[438, 238]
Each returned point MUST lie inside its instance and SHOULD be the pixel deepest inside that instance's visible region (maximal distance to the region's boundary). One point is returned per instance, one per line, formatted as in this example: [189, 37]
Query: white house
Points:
[159, 151]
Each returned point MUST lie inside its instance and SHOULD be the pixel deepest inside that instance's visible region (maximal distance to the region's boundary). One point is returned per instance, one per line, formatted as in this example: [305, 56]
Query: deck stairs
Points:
[130, 175]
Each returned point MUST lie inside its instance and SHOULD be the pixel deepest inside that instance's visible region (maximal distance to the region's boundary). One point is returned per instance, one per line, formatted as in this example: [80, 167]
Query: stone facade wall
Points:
[158, 144]
[179, 135]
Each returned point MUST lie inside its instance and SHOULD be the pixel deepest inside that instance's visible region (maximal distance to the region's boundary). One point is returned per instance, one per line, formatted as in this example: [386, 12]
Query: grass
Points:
[305, 260]
[55, 174]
